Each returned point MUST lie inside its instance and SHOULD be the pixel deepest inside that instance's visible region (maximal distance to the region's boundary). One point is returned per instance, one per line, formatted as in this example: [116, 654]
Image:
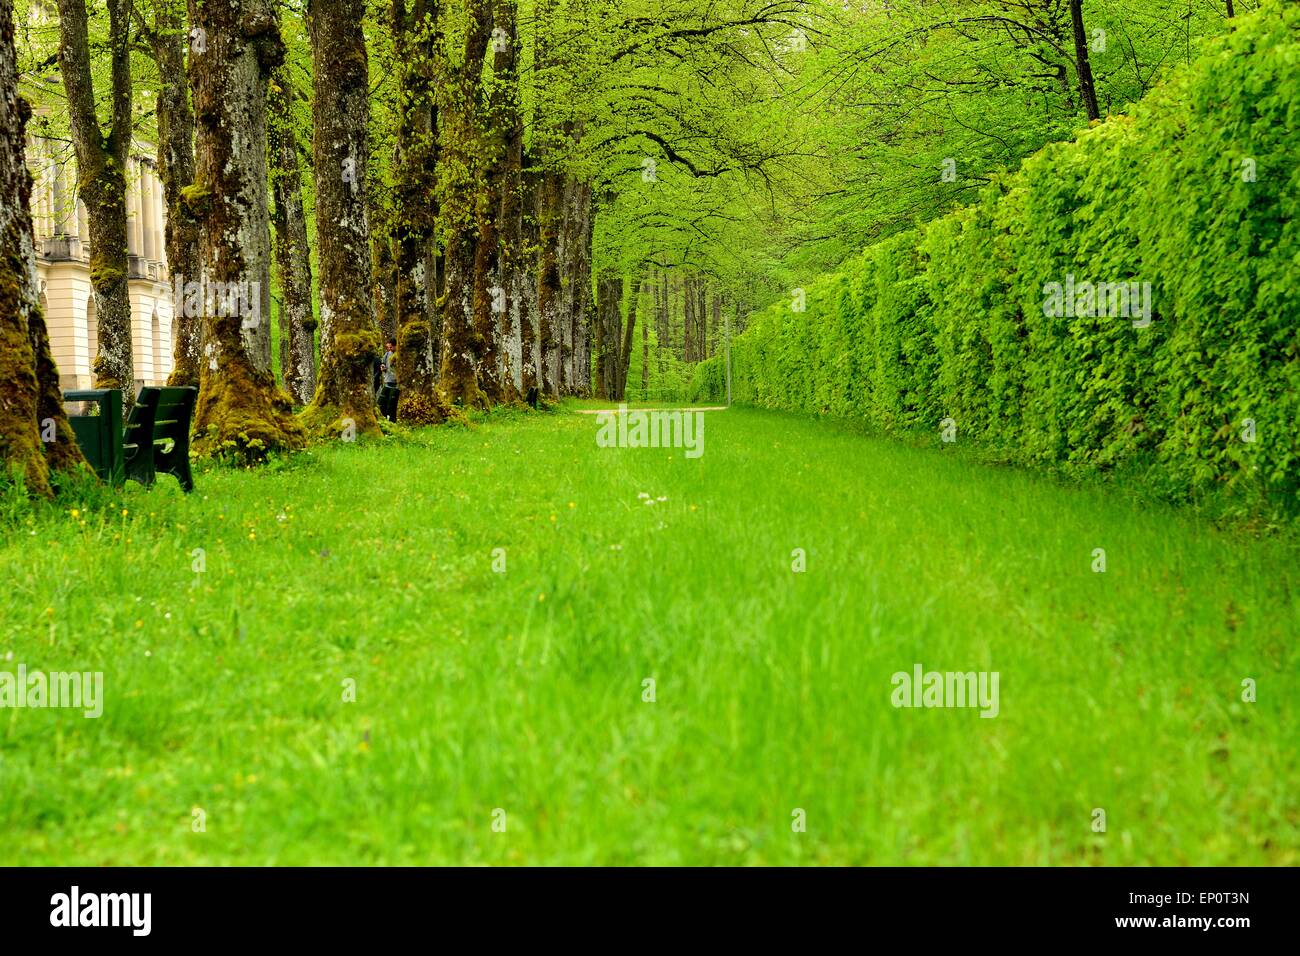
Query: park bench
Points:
[155, 439]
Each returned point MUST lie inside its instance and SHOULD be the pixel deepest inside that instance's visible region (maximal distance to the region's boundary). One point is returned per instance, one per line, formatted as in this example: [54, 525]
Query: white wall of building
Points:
[63, 267]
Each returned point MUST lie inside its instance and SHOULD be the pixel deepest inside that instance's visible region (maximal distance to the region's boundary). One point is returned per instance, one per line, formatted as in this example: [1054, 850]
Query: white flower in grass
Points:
[642, 495]
[662, 498]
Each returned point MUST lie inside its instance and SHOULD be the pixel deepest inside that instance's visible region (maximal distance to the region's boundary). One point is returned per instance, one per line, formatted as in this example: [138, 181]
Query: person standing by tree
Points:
[388, 391]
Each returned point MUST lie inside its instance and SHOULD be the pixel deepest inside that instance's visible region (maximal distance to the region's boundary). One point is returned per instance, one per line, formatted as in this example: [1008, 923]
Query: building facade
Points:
[63, 266]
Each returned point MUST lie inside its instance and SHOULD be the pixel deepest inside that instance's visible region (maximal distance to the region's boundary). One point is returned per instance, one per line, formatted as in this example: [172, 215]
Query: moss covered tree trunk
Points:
[35, 438]
[663, 327]
[292, 254]
[513, 273]
[492, 132]
[168, 41]
[549, 302]
[565, 246]
[417, 33]
[579, 290]
[461, 151]
[548, 210]
[526, 270]
[240, 413]
[101, 180]
[383, 282]
[345, 397]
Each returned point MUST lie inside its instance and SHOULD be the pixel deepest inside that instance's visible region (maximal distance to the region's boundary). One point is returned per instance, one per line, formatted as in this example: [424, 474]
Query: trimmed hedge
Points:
[1195, 195]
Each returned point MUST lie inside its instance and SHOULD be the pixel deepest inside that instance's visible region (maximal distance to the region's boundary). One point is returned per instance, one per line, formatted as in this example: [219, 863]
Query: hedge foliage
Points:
[1197, 194]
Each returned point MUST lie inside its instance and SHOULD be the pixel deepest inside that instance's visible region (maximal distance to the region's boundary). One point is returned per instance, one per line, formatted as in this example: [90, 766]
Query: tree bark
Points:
[549, 305]
[625, 353]
[168, 40]
[1083, 67]
[384, 281]
[701, 321]
[688, 319]
[513, 278]
[608, 338]
[567, 313]
[526, 272]
[417, 33]
[240, 412]
[101, 180]
[292, 254]
[487, 299]
[645, 350]
[579, 289]
[662, 330]
[548, 210]
[31, 405]
[345, 395]
[462, 344]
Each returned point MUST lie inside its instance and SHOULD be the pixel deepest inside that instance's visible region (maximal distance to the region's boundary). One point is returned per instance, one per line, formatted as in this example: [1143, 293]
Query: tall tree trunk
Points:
[645, 350]
[549, 205]
[609, 306]
[549, 303]
[513, 278]
[625, 353]
[688, 319]
[579, 282]
[527, 272]
[101, 180]
[345, 394]
[240, 410]
[168, 39]
[417, 33]
[292, 255]
[31, 405]
[567, 314]
[488, 298]
[701, 321]
[383, 283]
[1083, 67]
[662, 330]
[460, 150]
[603, 292]
[713, 326]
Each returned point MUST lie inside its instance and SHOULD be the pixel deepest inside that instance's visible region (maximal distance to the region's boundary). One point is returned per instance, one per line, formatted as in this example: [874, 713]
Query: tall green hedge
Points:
[1196, 194]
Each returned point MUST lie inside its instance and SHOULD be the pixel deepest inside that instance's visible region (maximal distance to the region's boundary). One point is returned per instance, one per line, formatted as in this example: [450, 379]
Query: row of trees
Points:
[507, 186]
[461, 219]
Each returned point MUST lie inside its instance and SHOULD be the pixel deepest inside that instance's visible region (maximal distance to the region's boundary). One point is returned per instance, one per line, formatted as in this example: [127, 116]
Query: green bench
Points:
[155, 439]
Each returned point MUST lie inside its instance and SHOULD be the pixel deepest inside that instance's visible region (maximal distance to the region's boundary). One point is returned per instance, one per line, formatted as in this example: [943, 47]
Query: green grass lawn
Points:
[523, 691]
